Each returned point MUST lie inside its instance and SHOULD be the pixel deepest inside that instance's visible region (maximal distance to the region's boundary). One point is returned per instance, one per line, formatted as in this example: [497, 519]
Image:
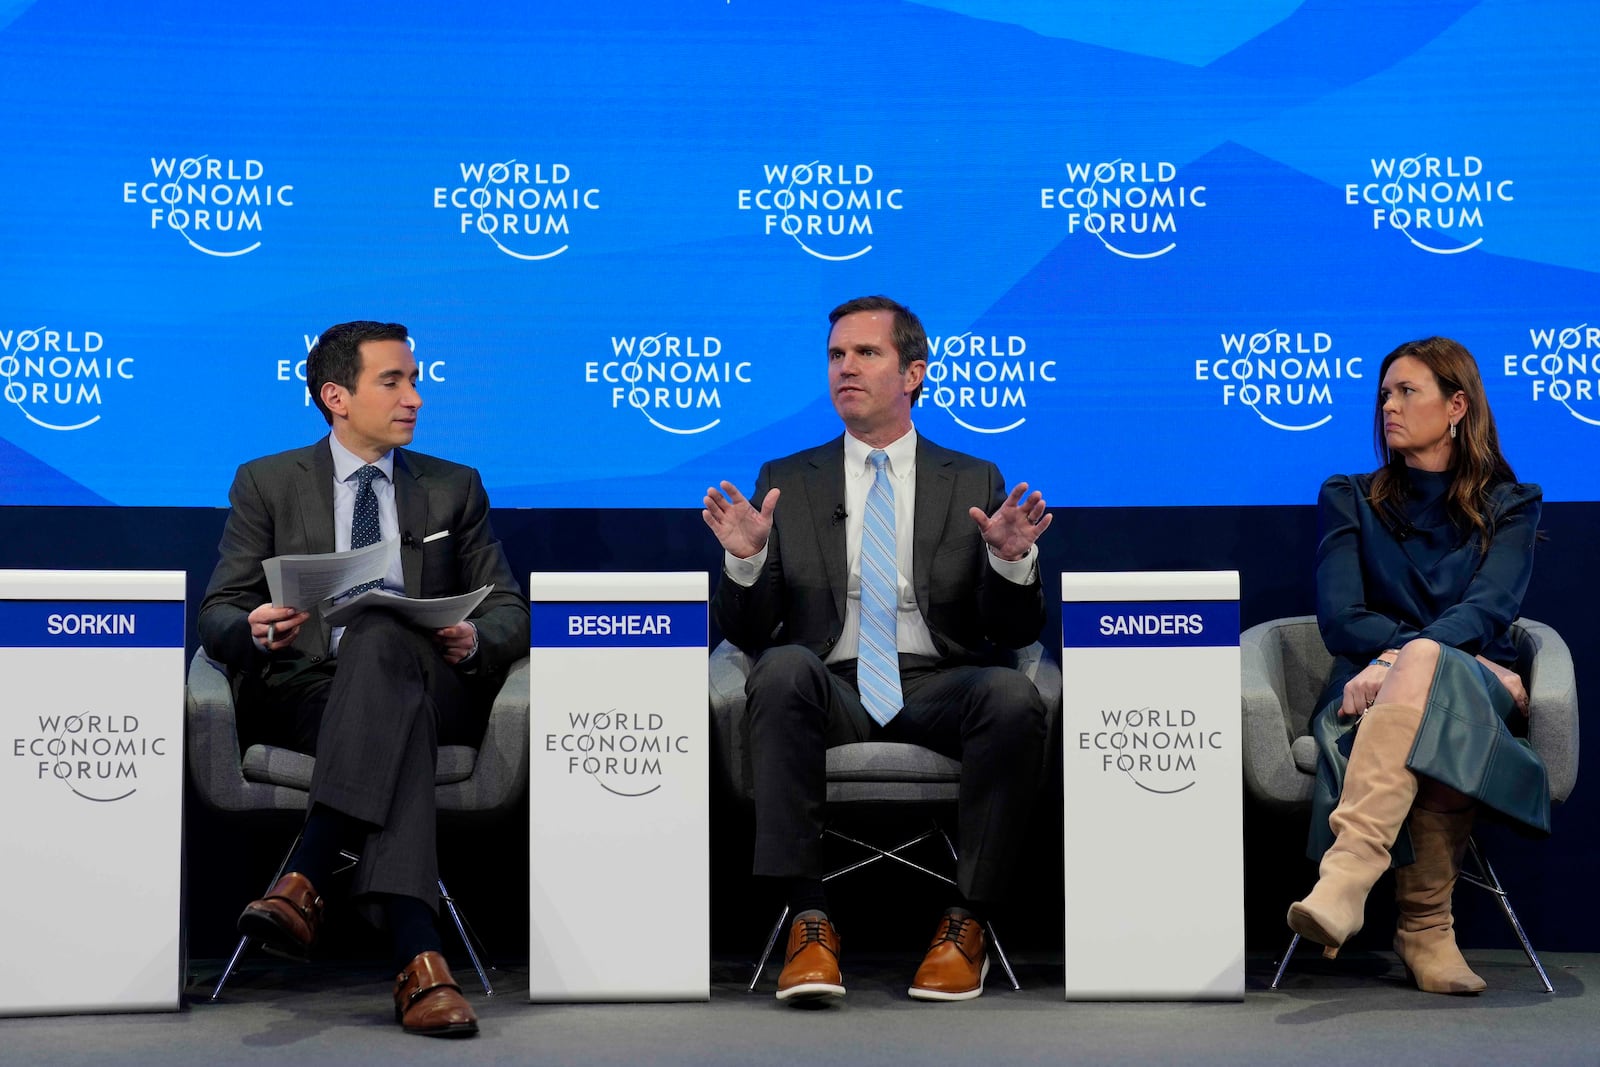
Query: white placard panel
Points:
[618, 806]
[91, 665]
[1152, 786]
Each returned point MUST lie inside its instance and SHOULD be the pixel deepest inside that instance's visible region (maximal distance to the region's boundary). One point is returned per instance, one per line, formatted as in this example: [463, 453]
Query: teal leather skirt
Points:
[1463, 742]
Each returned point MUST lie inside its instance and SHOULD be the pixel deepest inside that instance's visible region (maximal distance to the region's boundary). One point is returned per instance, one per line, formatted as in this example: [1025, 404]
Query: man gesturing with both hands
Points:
[874, 579]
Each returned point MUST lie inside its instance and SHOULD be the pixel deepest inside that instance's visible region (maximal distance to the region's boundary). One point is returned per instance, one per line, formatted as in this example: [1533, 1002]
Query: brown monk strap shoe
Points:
[811, 962]
[285, 921]
[956, 963]
[427, 1000]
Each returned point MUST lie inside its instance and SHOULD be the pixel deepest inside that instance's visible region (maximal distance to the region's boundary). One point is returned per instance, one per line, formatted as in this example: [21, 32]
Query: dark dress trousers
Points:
[375, 714]
[958, 702]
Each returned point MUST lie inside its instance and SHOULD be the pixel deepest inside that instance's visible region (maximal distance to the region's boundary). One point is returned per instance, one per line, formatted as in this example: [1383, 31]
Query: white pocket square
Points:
[436, 536]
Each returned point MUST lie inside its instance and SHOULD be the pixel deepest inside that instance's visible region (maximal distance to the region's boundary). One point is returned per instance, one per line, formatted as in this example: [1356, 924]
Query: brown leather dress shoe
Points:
[811, 962]
[427, 1000]
[285, 921]
[956, 963]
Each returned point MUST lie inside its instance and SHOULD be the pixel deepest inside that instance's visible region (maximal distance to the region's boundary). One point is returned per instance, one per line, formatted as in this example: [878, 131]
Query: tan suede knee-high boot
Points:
[1378, 791]
[1425, 938]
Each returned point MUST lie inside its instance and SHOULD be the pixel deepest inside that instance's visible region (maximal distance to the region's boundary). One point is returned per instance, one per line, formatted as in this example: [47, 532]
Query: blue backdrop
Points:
[1161, 248]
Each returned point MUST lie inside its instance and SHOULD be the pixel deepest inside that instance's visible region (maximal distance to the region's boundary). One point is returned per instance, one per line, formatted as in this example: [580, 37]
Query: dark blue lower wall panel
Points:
[1271, 547]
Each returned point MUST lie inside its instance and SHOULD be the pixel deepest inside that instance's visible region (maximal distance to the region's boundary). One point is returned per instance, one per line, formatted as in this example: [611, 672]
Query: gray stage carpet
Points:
[1355, 1011]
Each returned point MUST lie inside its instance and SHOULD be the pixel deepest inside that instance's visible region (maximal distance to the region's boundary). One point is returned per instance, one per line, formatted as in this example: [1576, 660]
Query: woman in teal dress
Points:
[1420, 571]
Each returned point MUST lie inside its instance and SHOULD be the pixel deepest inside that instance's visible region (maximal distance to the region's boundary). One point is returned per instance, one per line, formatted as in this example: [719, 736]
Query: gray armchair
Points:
[469, 783]
[1285, 665]
[868, 772]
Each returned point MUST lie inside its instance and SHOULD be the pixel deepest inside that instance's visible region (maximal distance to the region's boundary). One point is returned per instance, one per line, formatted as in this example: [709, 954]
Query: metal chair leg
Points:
[1283, 964]
[1487, 879]
[227, 972]
[761, 964]
[879, 853]
[468, 938]
[244, 942]
[885, 854]
[1000, 954]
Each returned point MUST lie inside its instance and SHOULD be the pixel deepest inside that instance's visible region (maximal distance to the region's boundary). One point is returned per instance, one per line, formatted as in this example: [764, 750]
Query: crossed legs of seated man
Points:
[990, 718]
[374, 717]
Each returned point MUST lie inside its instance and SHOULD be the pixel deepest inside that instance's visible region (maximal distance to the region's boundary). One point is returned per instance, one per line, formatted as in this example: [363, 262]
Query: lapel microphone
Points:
[838, 514]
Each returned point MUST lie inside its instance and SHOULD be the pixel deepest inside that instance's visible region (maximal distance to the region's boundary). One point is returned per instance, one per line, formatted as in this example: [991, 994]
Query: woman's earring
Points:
[1452, 431]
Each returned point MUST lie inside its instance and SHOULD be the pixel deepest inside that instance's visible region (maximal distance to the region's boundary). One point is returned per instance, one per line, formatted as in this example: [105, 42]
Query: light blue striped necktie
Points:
[877, 660]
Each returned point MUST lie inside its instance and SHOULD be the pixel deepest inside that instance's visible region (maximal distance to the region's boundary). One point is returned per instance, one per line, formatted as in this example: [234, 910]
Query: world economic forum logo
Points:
[677, 383]
[96, 756]
[1562, 364]
[526, 210]
[830, 210]
[1131, 207]
[628, 754]
[1286, 378]
[1160, 750]
[982, 380]
[1437, 202]
[57, 378]
[217, 205]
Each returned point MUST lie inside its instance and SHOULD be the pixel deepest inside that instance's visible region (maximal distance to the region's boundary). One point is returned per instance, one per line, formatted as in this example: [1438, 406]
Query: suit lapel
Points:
[411, 509]
[827, 480]
[314, 495]
[935, 484]
[315, 491]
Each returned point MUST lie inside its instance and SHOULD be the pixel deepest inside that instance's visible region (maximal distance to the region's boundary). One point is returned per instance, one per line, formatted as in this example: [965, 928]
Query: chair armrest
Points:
[1552, 703]
[500, 774]
[1045, 674]
[728, 669]
[211, 729]
[1270, 773]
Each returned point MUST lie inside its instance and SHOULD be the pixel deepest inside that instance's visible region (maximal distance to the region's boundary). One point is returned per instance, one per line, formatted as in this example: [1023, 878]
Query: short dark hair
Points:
[906, 333]
[336, 357]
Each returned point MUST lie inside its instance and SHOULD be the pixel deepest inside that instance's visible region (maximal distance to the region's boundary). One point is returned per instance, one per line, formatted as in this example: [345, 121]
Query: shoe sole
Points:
[812, 991]
[1306, 925]
[918, 993]
[453, 1030]
[272, 938]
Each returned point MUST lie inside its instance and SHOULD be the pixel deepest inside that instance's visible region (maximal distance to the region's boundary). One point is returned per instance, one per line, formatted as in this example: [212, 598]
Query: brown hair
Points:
[910, 340]
[1476, 465]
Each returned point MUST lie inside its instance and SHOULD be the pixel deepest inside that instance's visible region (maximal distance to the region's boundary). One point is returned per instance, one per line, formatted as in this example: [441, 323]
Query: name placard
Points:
[1152, 786]
[618, 787]
[91, 664]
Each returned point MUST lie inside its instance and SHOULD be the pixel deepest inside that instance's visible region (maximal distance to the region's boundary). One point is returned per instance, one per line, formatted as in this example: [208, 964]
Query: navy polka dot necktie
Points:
[364, 522]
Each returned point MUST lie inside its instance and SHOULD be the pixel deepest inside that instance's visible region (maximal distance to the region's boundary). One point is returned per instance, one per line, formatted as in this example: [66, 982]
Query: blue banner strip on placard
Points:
[91, 624]
[1150, 624]
[619, 624]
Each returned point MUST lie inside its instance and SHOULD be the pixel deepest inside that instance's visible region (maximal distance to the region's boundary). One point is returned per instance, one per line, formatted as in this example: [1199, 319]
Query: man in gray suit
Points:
[373, 700]
[874, 577]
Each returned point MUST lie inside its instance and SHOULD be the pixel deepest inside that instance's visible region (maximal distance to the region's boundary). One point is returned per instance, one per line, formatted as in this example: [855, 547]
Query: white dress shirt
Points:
[911, 629]
[345, 465]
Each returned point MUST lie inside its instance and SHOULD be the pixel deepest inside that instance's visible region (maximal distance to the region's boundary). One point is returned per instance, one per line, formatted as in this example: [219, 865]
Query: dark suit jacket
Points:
[800, 596]
[283, 504]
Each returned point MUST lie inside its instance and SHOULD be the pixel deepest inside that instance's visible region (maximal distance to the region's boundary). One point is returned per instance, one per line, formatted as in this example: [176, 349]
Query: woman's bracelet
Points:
[1380, 662]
